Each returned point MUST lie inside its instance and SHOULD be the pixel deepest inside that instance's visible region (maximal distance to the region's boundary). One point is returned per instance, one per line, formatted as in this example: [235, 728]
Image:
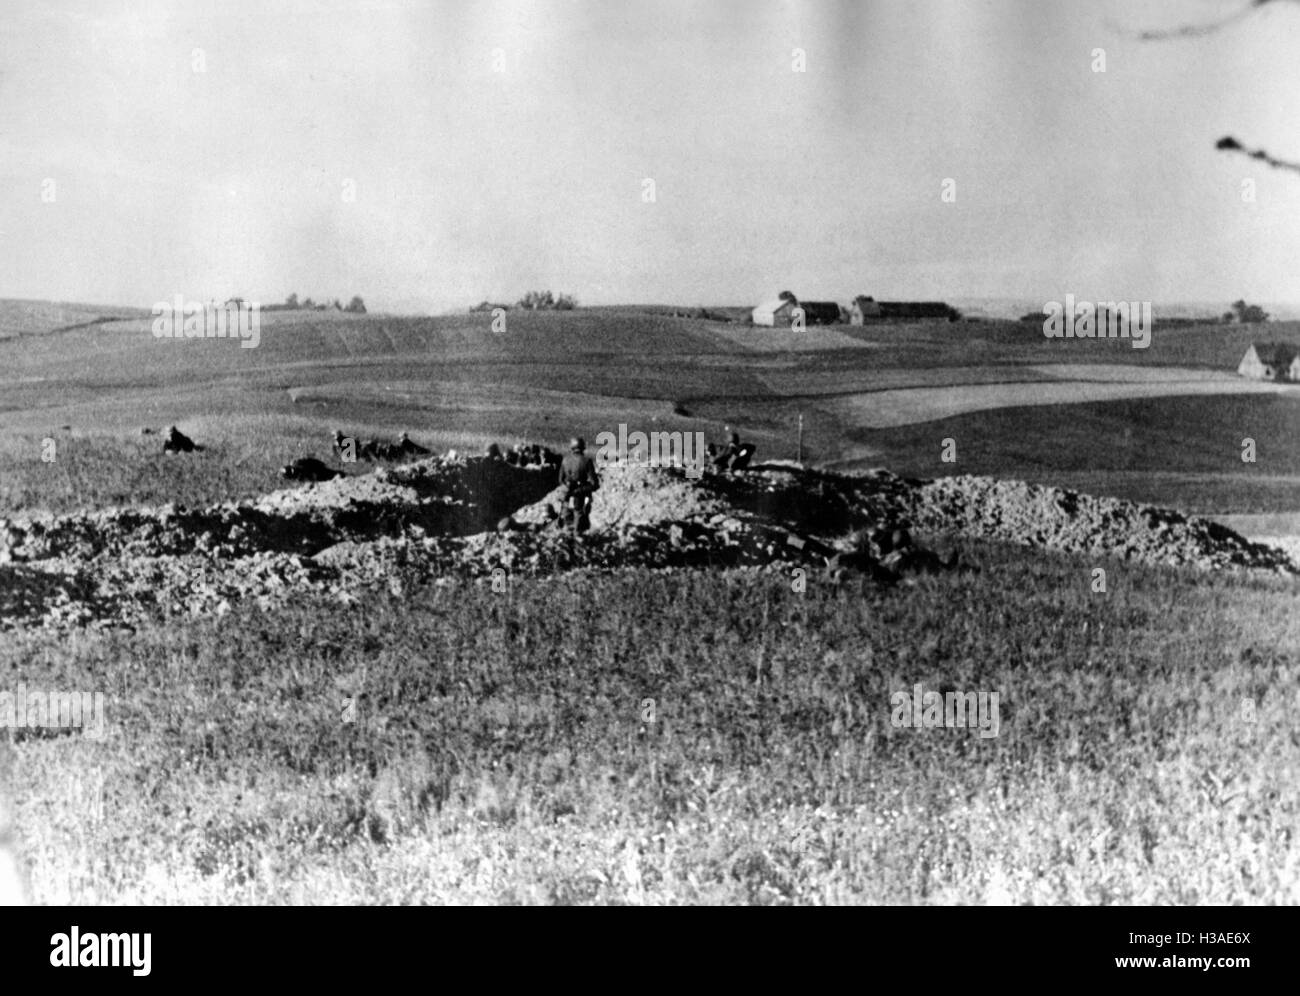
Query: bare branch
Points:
[1230, 144]
[1199, 30]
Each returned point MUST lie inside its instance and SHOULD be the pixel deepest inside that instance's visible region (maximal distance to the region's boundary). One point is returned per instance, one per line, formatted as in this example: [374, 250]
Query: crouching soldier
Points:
[579, 479]
[178, 442]
[734, 456]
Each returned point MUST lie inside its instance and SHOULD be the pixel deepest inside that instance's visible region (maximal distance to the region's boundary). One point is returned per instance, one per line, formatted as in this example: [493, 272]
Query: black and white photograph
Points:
[650, 453]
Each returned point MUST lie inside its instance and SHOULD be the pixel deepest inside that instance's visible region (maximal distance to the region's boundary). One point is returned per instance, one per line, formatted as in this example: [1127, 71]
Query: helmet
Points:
[577, 444]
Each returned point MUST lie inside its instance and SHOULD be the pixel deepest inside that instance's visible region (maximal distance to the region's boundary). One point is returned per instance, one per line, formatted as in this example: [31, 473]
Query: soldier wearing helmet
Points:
[579, 479]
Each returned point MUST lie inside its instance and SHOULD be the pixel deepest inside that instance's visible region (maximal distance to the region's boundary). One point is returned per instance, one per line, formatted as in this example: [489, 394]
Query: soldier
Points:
[743, 455]
[405, 445]
[579, 479]
[178, 442]
[735, 455]
[309, 469]
[723, 457]
[340, 445]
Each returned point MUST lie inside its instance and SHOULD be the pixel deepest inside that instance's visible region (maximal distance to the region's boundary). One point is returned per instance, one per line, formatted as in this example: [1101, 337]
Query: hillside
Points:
[1163, 425]
[19, 318]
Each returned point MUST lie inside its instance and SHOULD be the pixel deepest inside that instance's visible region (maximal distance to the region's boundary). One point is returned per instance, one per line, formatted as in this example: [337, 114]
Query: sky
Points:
[429, 155]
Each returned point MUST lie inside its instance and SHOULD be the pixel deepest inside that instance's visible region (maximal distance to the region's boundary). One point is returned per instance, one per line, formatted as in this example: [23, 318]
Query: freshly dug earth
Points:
[483, 518]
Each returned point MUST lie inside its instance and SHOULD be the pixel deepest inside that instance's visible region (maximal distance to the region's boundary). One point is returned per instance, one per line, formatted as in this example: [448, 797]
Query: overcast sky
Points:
[499, 146]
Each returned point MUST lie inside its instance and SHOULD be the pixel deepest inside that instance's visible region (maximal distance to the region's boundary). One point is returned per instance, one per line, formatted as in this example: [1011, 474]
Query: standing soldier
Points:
[580, 481]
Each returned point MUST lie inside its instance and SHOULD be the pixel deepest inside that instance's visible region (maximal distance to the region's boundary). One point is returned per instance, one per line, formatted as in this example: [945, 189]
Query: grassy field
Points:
[453, 382]
[25, 318]
[682, 738]
[1184, 451]
[654, 737]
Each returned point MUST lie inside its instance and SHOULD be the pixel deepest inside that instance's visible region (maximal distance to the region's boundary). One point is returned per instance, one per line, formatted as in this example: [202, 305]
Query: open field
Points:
[501, 749]
[909, 406]
[1146, 752]
[453, 382]
[1182, 451]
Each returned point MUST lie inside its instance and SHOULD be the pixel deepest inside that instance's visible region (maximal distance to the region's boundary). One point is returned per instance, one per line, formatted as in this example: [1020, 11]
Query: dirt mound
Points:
[1061, 519]
[481, 517]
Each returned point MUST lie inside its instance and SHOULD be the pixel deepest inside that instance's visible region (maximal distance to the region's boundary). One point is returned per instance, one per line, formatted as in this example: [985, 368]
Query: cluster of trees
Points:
[1242, 313]
[355, 307]
[1245, 314]
[546, 301]
[533, 301]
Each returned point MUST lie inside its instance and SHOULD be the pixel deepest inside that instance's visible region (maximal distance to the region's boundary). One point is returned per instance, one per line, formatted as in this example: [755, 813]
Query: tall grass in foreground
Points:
[682, 737]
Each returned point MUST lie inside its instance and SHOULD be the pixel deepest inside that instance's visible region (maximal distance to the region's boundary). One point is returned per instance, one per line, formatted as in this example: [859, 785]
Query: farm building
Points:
[863, 307]
[778, 311]
[1271, 361]
[820, 312]
[783, 310]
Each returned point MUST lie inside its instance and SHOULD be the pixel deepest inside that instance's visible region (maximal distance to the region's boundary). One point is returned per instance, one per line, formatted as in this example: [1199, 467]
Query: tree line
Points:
[534, 301]
[354, 307]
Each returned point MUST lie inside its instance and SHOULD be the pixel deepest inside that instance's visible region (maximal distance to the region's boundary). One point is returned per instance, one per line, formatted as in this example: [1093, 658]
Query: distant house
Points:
[776, 312]
[863, 307]
[782, 311]
[1271, 361]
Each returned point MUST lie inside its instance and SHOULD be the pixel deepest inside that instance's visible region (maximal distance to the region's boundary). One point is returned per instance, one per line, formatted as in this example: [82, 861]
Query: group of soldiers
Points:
[350, 448]
[346, 448]
[524, 455]
[890, 546]
[885, 552]
[580, 481]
